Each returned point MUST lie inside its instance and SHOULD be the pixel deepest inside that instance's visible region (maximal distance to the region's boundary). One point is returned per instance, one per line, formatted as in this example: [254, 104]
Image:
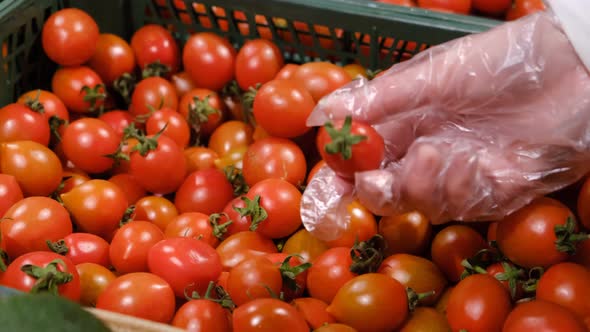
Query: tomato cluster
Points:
[164, 182]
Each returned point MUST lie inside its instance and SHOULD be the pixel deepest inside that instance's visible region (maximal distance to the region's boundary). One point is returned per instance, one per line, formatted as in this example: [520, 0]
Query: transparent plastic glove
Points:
[474, 128]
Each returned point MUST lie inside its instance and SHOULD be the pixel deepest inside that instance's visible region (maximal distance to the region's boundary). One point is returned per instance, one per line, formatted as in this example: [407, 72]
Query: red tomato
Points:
[267, 314]
[183, 83]
[176, 127]
[113, 58]
[294, 273]
[187, 264]
[522, 8]
[94, 279]
[328, 273]
[305, 245]
[363, 151]
[229, 136]
[231, 214]
[361, 226]
[55, 270]
[199, 158]
[192, 224]
[257, 62]
[80, 88]
[202, 315]
[506, 272]
[426, 319]
[206, 191]
[135, 294]
[130, 246]
[538, 315]
[10, 192]
[314, 311]
[153, 93]
[87, 248]
[287, 71]
[209, 60]
[371, 302]
[70, 36]
[321, 78]
[36, 168]
[254, 278]
[407, 233]
[583, 204]
[492, 7]
[155, 209]
[203, 109]
[241, 246]
[21, 123]
[133, 191]
[452, 6]
[335, 327]
[52, 105]
[274, 158]
[492, 231]
[118, 120]
[73, 180]
[153, 43]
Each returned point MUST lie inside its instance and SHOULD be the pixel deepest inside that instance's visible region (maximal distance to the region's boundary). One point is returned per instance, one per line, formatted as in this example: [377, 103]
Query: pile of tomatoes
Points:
[164, 182]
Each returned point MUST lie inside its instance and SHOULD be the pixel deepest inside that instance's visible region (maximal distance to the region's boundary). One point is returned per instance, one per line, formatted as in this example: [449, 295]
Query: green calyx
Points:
[367, 256]
[219, 230]
[199, 112]
[342, 139]
[58, 247]
[94, 97]
[49, 278]
[155, 69]
[567, 238]
[124, 86]
[236, 178]
[290, 273]
[253, 210]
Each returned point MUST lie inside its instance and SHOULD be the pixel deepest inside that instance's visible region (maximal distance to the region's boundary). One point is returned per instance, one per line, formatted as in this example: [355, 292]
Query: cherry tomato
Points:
[492, 7]
[69, 37]
[233, 158]
[522, 8]
[355, 70]
[287, 71]
[335, 327]
[203, 109]
[133, 191]
[87, 248]
[192, 224]
[173, 124]
[443, 301]
[153, 43]
[492, 231]
[583, 204]
[229, 136]
[321, 78]
[152, 93]
[305, 245]
[209, 60]
[52, 105]
[538, 315]
[267, 314]
[187, 264]
[313, 311]
[80, 88]
[183, 83]
[294, 273]
[407, 3]
[361, 226]
[135, 294]
[158, 210]
[206, 191]
[231, 213]
[130, 245]
[407, 233]
[257, 62]
[199, 158]
[113, 58]
[36, 168]
[501, 270]
[452, 6]
[328, 273]
[241, 246]
[21, 123]
[10, 192]
[313, 171]
[94, 278]
[202, 315]
[118, 120]
[254, 278]
[426, 319]
[71, 180]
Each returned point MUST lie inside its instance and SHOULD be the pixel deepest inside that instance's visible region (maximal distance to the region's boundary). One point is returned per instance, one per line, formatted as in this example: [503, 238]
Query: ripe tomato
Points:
[313, 311]
[69, 37]
[231, 213]
[234, 158]
[287, 71]
[416, 273]
[407, 233]
[452, 6]
[527, 236]
[10, 192]
[152, 43]
[506, 273]
[202, 315]
[452, 245]
[335, 327]
[305, 245]
[267, 314]
[209, 60]
[56, 271]
[492, 231]
[426, 319]
[538, 315]
[173, 124]
[522, 8]
[86, 248]
[80, 88]
[31, 222]
[113, 58]
[130, 245]
[478, 303]
[583, 204]
[229, 136]
[492, 7]
[371, 302]
[257, 62]
[321, 78]
[36, 168]
[135, 294]
[361, 226]
[241, 246]
[94, 279]
[192, 224]
[328, 273]
[97, 206]
[52, 105]
[118, 120]
[187, 264]
[199, 158]
[133, 191]
[206, 191]
[203, 109]
[158, 210]
[74, 179]
[21, 123]
[355, 70]
[254, 278]
[443, 301]
[183, 83]
[276, 158]
[88, 142]
[281, 108]
[294, 273]
[153, 93]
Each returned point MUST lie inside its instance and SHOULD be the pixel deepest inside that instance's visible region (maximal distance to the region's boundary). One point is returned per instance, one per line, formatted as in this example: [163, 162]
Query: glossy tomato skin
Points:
[426, 319]
[478, 303]
[522, 8]
[230, 213]
[15, 278]
[287, 71]
[10, 192]
[492, 7]
[87, 248]
[305, 245]
[199, 158]
[267, 314]
[130, 246]
[249, 280]
[241, 246]
[190, 111]
[257, 62]
[187, 264]
[158, 210]
[133, 191]
[371, 302]
[69, 37]
[175, 125]
[29, 223]
[290, 291]
[20, 123]
[321, 78]
[134, 294]
[408, 233]
[313, 311]
[52, 105]
[229, 136]
[68, 83]
[206, 191]
[361, 226]
[202, 315]
[113, 58]
[328, 273]
[94, 278]
[152, 43]
[118, 120]
[538, 315]
[154, 93]
[192, 224]
[183, 83]
[209, 60]
[37, 169]
[457, 7]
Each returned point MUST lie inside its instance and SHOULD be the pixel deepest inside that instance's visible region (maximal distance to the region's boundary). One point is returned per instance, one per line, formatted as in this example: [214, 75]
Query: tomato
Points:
[522, 8]
[55, 270]
[206, 191]
[192, 224]
[80, 88]
[335, 327]
[199, 158]
[538, 315]
[416, 273]
[10, 193]
[241, 246]
[452, 245]
[294, 273]
[153, 43]
[229, 136]
[452, 6]
[361, 226]
[52, 105]
[233, 158]
[153, 93]
[506, 273]
[182, 83]
[187, 264]
[36, 168]
[305, 245]
[21, 123]
[355, 70]
[202, 315]
[133, 191]
[203, 109]
[443, 301]
[313, 171]
[266, 314]
[492, 7]
[408, 233]
[88, 142]
[113, 58]
[135, 294]
[72, 179]
[274, 157]
[328, 273]
[86, 248]
[94, 278]
[231, 213]
[173, 125]
[287, 71]
[97, 206]
[583, 204]
[257, 62]
[209, 60]
[426, 319]
[527, 236]
[407, 3]
[314, 311]
[130, 245]
[155, 209]
[321, 78]
[254, 278]
[478, 303]
[69, 37]
[118, 120]
[492, 231]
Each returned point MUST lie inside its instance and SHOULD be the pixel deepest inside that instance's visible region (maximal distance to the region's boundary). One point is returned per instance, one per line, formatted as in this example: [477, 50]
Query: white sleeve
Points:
[573, 15]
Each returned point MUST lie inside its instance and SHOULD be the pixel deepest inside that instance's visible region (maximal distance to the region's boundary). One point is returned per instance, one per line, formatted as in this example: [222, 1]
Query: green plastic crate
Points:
[373, 34]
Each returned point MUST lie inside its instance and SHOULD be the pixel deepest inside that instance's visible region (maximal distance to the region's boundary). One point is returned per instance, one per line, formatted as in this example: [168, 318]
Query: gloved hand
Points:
[474, 128]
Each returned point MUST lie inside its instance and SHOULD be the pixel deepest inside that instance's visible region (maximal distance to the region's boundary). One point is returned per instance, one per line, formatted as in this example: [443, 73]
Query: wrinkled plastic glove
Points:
[474, 129]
